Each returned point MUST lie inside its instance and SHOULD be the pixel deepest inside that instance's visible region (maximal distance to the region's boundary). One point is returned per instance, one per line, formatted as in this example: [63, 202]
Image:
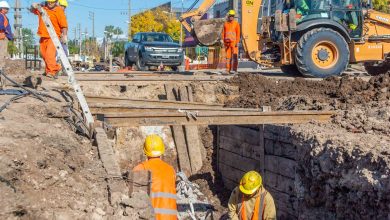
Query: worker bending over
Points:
[231, 38]
[5, 32]
[250, 200]
[48, 50]
[163, 190]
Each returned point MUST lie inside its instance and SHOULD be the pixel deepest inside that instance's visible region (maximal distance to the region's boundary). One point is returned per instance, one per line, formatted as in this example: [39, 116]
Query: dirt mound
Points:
[341, 175]
[47, 171]
[340, 93]
[15, 67]
[362, 106]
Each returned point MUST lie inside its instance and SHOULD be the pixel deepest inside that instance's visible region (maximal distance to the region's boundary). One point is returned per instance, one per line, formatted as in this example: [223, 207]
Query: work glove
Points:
[34, 5]
[64, 39]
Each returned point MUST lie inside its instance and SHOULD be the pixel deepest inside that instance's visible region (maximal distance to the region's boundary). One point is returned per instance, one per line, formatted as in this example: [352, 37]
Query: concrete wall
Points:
[267, 149]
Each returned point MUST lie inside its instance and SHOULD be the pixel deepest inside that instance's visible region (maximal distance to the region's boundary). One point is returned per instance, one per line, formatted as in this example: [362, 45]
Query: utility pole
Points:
[129, 27]
[92, 17]
[18, 28]
[80, 41]
[181, 25]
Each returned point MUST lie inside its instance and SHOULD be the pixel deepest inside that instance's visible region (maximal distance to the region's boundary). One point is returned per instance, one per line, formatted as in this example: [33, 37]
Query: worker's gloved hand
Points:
[64, 39]
[34, 5]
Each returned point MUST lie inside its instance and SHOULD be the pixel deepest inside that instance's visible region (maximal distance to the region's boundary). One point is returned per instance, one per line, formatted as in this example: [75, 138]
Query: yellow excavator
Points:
[319, 38]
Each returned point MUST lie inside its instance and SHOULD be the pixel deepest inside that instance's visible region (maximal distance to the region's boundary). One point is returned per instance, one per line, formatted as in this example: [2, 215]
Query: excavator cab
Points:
[318, 38]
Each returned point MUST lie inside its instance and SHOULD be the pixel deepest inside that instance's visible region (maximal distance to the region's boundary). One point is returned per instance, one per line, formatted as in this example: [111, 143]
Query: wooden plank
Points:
[243, 134]
[279, 182]
[262, 151]
[280, 149]
[241, 148]
[212, 118]
[139, 181]
[229, 184]
[179, 138]
[280, 165]
[285, 202]
[192, 137]
[116, 100]
[116, 185]
[237, 161]
[230, 173]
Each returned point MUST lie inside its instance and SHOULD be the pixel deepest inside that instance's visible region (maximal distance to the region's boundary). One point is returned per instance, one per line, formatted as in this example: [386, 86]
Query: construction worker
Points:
[302, 9]
[250, 200]
[5, 32]
[48, 50]
[231, 38]
[64, 4]
[163, 190]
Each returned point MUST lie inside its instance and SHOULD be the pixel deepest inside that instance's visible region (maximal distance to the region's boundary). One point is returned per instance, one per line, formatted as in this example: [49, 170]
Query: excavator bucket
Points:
[208, 32]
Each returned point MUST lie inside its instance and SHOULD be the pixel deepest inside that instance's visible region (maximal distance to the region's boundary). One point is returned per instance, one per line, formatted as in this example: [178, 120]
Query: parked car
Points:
[153, 49]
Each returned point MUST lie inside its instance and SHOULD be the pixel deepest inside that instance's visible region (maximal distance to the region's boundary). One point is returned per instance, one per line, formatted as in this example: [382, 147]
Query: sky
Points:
[107, 12]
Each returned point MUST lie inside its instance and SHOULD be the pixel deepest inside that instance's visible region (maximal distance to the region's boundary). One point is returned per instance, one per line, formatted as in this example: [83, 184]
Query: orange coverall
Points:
[163, 190]
[231, 38]
[47, 48]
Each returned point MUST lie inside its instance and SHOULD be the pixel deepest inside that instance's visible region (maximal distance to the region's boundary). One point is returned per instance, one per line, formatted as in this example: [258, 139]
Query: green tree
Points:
[382, 5]
[118, 48]
[28, 37]
[110, 31]
[12, 49]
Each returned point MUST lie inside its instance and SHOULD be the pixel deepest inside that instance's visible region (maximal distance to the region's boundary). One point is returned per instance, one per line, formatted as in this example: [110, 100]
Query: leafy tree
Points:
[118, 48]
[12, 49]
[382, 5]
[110, 31]
[28, 37]
[156, 21]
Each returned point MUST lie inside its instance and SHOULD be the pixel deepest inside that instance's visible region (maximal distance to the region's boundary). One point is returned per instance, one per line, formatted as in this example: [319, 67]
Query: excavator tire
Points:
[322, 53]
[290, 70]
[377, 70]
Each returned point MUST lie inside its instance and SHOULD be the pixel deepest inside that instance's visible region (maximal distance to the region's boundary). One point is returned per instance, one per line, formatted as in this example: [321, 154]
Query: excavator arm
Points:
[206, 32]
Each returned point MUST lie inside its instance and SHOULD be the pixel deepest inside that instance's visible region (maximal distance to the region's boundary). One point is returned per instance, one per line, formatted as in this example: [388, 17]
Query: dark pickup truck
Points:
[153, 49]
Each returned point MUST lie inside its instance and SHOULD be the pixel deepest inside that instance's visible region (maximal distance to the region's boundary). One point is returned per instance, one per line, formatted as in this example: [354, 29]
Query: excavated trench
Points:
[338, 170]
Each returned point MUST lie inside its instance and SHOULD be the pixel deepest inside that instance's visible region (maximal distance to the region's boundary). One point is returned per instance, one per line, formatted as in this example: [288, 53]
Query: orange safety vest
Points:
[2, 33]
[163, 191]
[231, 32]
[258, 213]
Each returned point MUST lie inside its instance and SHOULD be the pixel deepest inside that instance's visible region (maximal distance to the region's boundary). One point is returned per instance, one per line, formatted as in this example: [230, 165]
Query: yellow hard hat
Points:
[231, 13]
[63, 3]
[250, 182]
[154, 146]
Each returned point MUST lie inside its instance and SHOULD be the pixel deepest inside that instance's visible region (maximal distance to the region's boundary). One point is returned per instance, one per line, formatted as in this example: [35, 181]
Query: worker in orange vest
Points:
[64, 4]
[47, 48]
[5, 32]
[231, 38]
[163, 190]
[250, 200]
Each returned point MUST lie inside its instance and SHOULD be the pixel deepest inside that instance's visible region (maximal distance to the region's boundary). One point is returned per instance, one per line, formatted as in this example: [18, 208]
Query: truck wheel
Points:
[174, 68]
[322, 53]
[140, 64]
[377, 70]
[127, 62]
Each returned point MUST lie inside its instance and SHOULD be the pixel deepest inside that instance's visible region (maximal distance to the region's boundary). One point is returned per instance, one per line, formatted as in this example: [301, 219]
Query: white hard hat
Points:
[4, 4]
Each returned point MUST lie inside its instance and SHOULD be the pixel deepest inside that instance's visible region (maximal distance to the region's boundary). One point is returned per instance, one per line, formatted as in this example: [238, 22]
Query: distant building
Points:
[222, 8]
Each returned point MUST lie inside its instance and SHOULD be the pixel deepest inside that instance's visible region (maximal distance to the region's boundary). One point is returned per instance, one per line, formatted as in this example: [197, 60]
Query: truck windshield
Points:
[156, 37]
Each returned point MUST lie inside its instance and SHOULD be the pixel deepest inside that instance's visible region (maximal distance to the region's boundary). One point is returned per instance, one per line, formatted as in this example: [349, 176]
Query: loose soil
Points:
[343, 166]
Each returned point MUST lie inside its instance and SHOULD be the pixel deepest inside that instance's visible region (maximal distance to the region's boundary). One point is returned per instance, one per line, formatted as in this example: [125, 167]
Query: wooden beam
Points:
[204, 117]
[179, 138]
